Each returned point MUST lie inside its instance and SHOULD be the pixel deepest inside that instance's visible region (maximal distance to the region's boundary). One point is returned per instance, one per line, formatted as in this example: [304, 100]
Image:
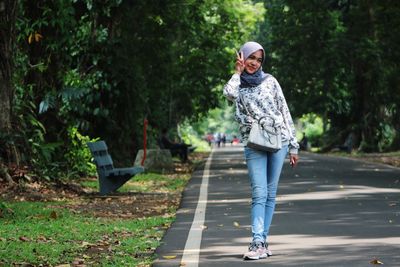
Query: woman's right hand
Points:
[239, 65]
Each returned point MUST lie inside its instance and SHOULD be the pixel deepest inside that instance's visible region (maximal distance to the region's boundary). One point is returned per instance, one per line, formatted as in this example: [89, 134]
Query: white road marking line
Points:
[191, 251]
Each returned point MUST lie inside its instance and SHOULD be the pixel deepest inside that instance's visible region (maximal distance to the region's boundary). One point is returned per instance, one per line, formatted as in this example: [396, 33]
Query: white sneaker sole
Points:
[257, 257]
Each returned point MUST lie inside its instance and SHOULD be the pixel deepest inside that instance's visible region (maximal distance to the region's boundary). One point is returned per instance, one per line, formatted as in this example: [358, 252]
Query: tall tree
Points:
[7, 48]
[338, 59]
[100, 68]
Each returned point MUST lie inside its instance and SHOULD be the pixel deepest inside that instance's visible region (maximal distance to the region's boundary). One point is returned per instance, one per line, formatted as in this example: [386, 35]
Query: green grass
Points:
[149, 182]
[48, 234]
[43, 233]
[156, 183]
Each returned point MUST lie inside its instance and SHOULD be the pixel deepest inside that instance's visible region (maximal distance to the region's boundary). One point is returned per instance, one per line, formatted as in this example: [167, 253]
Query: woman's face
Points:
[253, 62]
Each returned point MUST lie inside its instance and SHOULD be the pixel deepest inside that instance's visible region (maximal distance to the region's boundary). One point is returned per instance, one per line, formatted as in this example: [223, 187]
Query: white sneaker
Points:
[257, 250]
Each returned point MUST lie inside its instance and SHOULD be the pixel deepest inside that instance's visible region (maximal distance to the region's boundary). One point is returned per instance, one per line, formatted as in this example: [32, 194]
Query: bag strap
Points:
[244, 104]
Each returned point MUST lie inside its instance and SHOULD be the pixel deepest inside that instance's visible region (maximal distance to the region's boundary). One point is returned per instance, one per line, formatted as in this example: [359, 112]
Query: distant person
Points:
[176, 148]
[304, 142]
[219, 137]
[210, 139]
[235, 140]
[223, 139]
[265, 103]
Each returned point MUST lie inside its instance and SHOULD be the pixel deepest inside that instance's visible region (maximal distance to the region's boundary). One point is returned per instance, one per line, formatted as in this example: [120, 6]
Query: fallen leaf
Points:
[169, 257]
[341, 186]
[42, 238]
[63, 265]
[220, 225]
[38, 36]
[53, 215]
[236, 224]
[78, 262]
[376, 261]
[30, 38]
[24, 238]
[203, 227]
[85, 244]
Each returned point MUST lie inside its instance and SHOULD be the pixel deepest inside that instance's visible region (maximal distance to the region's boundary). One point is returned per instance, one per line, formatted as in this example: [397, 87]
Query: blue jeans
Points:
[264, 171]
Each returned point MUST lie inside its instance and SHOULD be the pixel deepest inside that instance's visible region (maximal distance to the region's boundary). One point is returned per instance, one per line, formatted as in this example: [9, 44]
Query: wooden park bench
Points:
[110, 178]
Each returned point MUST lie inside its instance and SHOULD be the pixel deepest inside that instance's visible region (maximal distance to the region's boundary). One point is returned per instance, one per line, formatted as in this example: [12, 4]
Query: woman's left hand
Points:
[294, 158]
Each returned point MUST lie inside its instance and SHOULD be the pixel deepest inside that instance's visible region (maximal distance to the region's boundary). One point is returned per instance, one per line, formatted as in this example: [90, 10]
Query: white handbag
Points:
[264, 138]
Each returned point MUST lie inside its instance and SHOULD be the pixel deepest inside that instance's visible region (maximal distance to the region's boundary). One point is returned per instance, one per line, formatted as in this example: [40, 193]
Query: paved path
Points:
[330, 212]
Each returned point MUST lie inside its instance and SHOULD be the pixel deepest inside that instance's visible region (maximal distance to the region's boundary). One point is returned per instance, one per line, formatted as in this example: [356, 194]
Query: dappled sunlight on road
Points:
[290, 242]
[330, 212]
[336, 192]
[375, 169]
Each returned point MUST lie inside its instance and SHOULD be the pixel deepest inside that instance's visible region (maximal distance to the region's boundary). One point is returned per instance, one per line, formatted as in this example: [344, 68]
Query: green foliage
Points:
[312, 126]
[42, 233]
[190, 136]
[336, 59]
[78, 155]
[5, 211]
[218, 120]
[31, 137]
[103, 67]
[93, 67]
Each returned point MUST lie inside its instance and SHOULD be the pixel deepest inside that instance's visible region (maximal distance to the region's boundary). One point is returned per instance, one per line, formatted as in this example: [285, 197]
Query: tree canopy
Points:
[100, 69]
[76, 70]
[339, 59]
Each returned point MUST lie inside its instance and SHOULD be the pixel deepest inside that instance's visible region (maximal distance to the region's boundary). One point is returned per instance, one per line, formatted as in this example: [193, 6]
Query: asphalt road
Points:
[330, 212]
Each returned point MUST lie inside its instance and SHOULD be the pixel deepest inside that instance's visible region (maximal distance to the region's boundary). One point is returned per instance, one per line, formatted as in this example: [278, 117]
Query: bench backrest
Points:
[100, 155]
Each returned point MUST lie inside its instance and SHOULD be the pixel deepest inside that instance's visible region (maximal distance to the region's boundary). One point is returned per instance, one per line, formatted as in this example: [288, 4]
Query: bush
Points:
[78, 154]
[312, 126]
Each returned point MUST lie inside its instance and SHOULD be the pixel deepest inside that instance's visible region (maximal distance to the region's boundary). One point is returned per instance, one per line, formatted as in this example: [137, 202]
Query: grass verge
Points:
[37, 233]
[390, 158]
[148, 182]
[47, 226]
[70, 225]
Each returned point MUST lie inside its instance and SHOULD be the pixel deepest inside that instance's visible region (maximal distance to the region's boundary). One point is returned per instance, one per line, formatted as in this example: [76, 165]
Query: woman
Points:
[258, 96]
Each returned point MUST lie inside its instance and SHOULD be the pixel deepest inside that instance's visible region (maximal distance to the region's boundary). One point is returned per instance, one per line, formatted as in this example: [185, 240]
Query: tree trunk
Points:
[7, 48]
[4, 173]
[367, 77]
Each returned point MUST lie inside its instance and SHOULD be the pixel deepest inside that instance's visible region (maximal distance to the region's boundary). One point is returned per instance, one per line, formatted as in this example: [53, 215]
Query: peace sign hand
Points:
[239, 65]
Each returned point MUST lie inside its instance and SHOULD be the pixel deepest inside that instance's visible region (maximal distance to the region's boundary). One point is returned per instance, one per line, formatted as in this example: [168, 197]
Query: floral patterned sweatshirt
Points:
[266, 103]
